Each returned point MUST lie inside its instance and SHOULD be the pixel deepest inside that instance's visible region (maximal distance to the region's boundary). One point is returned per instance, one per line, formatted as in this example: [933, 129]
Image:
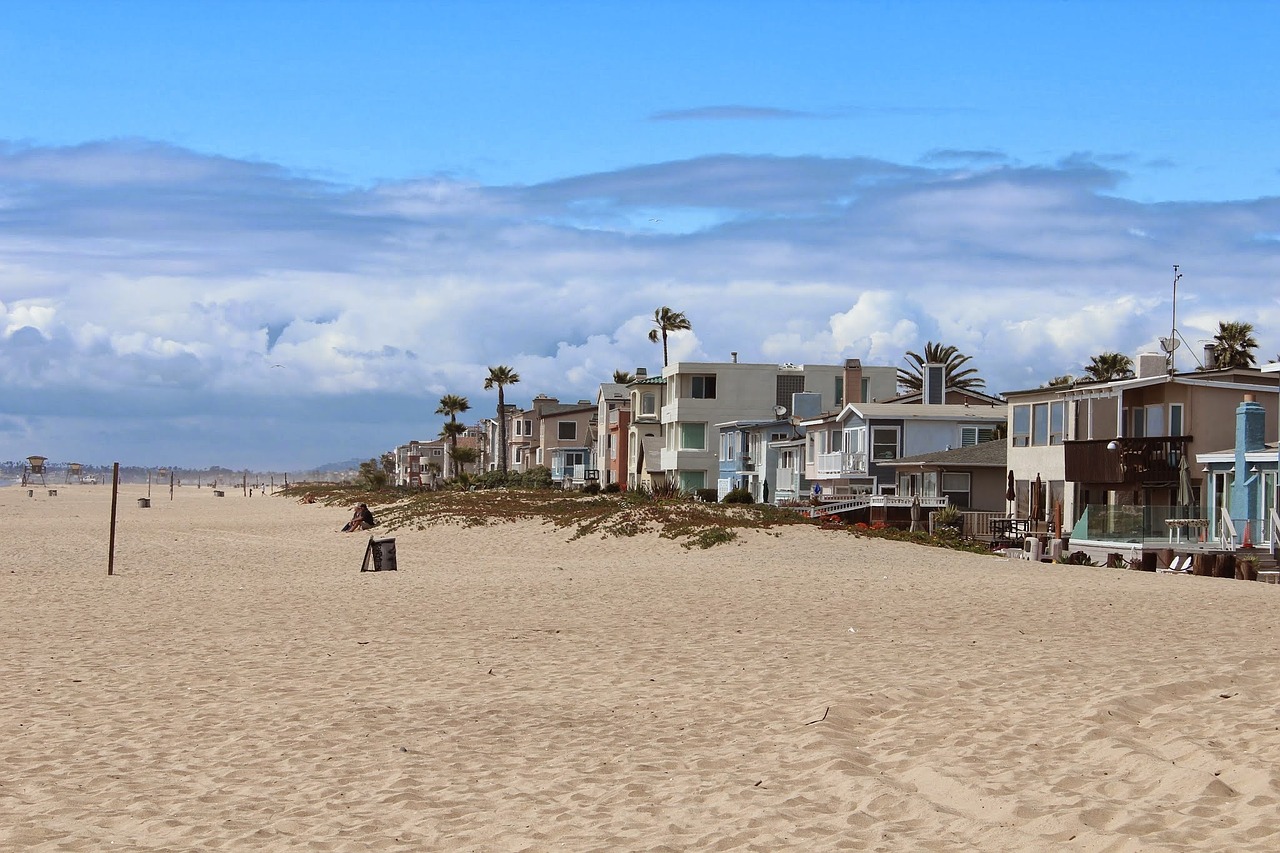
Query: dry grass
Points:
[691, 523]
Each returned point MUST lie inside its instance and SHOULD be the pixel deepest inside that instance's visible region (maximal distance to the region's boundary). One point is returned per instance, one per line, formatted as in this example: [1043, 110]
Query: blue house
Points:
[1243, 481]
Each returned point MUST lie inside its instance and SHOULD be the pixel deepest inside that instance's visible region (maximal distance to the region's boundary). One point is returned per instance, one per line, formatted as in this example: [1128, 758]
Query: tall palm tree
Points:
[623, 377]
[666, 321]
[451, 405]
[1108, 366]
[1233, 345]
[912, 378]
[500, 377]
[1063, 381]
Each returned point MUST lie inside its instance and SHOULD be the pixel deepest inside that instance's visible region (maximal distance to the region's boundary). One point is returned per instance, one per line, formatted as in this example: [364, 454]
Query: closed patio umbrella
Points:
[1037, 499]
[1185, 495]
[916, 512]
[1011, 494]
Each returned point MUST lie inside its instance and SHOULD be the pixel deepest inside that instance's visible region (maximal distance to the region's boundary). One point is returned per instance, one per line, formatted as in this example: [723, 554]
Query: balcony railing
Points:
[839, 463]
[1125, 461]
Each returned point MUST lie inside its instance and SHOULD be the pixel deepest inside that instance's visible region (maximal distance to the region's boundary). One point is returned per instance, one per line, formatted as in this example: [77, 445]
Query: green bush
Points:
[592, 488]
[739, 496]
[709, 496]
[611, 489]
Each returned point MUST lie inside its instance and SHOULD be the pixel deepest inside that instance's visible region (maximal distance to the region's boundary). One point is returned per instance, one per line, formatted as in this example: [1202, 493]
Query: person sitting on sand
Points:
[361, 519]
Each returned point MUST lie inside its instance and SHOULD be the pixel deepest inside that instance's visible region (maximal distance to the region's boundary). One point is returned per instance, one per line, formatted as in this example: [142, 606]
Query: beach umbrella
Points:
[915, 513]
[1185, 495]
[1010, 494]
[1037, 499]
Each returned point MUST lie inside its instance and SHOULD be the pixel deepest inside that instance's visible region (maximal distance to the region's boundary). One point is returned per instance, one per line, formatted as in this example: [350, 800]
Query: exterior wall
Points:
[549, 441]
[743, 392]
[613, 410]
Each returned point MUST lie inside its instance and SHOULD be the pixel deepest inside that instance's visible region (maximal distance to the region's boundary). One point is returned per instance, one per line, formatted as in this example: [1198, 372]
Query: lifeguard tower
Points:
[74, 470]
[35, 468]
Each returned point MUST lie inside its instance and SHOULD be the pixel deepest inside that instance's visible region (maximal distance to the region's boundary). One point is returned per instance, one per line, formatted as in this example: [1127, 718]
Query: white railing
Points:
[841, 463]
[842, 503]
[1273, 529]
[978, 524]
[1227, 531]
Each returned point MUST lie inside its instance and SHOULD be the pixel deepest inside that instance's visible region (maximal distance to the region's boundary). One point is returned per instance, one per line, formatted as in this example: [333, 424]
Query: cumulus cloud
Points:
[143, 277]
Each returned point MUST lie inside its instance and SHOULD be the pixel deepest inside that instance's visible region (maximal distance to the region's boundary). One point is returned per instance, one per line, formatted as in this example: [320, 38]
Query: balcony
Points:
[840, 464]
[1134, 461]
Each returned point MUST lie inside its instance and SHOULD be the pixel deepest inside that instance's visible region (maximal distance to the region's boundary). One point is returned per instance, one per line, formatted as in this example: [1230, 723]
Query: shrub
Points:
[709, 496]
[739, 496]
[592, 488]
[611, 489]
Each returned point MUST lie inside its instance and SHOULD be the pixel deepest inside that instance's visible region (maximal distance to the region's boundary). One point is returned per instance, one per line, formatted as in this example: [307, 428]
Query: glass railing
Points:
[1138, 524]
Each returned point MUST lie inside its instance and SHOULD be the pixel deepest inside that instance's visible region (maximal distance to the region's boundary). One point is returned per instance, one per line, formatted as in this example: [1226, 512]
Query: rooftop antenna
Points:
[1170, 344]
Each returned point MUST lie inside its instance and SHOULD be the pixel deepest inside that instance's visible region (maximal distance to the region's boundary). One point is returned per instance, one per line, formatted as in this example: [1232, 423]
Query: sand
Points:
[240, 685]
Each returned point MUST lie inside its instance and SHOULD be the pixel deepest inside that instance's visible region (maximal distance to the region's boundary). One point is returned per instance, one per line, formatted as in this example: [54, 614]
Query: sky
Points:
[273, 234]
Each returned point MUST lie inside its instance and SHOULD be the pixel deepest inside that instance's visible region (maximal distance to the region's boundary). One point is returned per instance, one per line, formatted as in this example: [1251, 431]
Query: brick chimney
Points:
[853, 381]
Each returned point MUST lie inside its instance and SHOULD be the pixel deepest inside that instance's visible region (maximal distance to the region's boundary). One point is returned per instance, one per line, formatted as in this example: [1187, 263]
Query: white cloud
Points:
[139, 270]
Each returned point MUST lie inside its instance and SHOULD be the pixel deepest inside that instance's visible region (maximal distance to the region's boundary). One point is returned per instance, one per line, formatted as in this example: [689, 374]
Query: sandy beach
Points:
[240, 685]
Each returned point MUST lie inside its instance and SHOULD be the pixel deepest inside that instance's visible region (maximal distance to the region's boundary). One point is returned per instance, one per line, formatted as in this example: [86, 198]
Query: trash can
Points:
[379, 556]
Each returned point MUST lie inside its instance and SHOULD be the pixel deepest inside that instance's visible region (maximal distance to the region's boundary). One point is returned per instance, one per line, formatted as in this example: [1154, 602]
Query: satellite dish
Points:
[779, 410]
[1169, 344]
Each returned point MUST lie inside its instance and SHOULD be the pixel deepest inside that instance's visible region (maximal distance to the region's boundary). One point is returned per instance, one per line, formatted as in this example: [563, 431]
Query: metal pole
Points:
[115, 489]
[171, 484]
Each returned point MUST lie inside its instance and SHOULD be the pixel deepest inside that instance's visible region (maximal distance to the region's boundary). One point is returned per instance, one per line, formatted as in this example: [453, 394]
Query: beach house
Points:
[1119, 455]
[701, 395]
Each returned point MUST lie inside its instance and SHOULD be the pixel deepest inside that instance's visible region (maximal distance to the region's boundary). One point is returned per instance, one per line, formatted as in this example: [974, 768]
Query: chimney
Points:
[1210, 361]
[734, 356]
[1152, 364]
[1251, 420]
[642, 373]
[934, 385]
[853, 381]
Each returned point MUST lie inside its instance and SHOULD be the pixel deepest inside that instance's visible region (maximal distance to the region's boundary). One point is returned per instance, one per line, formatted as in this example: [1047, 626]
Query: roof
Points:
[1216, 378]
[988, 454]
[916, 396]
[908, 411]
[651, 380]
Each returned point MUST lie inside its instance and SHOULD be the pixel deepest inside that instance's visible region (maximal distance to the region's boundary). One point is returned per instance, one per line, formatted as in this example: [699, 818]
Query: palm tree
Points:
[1063, 381]
[623, 377]
[1233, 346]
[912, 378]
[501, 376]
[1109, 366]
[451, 405]
[667, 321]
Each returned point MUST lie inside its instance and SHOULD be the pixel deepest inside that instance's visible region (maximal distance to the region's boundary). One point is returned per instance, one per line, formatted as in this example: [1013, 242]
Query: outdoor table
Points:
[1177, 525]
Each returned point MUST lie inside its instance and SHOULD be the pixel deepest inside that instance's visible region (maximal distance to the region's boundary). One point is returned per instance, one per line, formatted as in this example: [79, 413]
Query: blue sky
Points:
[385, 198]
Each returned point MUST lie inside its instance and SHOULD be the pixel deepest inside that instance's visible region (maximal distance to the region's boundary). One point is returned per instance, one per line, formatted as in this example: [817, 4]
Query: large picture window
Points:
[955, 487]
[1021, 426]
[648, 404]
[567, 430]
[693, 437]
[884, 443]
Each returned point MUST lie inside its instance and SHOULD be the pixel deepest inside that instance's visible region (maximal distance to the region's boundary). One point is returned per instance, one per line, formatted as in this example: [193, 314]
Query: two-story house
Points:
[613, 422]
[565, 444]
[644, 432]
[1123, 443]
[852, 451]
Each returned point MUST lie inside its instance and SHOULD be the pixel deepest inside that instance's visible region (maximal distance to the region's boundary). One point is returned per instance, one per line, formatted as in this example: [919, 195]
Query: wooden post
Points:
[115, 488]
[171, 484]
[148, 482]
[244, 484]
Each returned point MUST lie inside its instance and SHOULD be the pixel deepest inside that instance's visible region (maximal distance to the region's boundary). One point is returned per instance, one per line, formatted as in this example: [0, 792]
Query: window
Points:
[693, 437]
[702, 388]
[567, 430]
[728, 442]
[519, 456]
[691, 481]
[1139, 422]
[866, 389]
[648, 404]
[884, 443]
[1057, 422]
[969, 436]
[613, 448]
[574, 457]
[1040, 424]
[935, 379]
[786, 386]
[955, 487]
[436, 451]
[1021, 426]
[778, 436]
[839, 392]
[835, 440]
[1175, 419]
